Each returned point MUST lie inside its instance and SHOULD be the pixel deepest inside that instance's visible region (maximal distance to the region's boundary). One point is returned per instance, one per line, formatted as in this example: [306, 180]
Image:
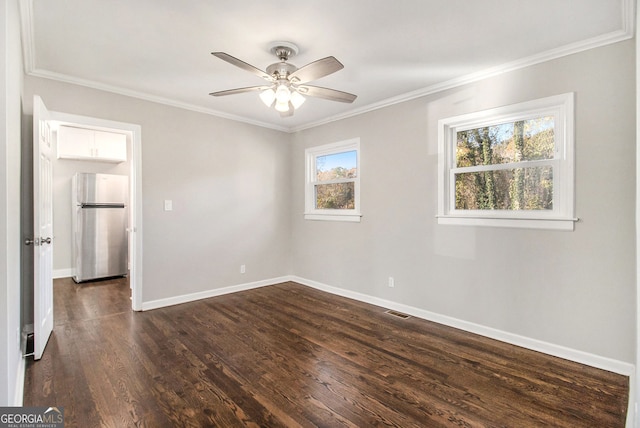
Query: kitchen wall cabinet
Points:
[90, 144]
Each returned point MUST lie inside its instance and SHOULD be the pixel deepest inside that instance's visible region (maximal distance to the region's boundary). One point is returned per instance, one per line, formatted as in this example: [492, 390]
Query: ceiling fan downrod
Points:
[284, 50]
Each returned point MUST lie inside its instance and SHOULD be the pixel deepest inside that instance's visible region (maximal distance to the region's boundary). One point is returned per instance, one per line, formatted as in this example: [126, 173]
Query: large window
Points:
[510, 166]
[333, 182]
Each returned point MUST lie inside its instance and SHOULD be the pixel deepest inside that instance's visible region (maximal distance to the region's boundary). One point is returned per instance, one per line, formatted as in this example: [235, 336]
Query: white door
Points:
[43, 228]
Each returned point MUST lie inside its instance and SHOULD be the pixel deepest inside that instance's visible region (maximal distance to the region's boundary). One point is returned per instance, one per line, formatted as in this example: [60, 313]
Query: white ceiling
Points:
[392, 50]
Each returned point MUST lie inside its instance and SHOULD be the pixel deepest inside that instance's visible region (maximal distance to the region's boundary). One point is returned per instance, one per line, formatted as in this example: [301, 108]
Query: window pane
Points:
[336, 166]
[509, 189]
[524, 140]
[337, 196]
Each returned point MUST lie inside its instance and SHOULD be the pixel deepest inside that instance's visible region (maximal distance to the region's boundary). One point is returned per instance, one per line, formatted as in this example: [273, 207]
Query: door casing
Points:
[134, 133]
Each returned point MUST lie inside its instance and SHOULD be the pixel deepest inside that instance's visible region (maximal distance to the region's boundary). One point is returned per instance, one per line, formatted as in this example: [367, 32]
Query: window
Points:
[509, 166]
[333, 182]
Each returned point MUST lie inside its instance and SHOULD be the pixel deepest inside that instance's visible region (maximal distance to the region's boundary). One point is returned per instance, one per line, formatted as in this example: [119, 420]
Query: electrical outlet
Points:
[392, 282]
[243, 268]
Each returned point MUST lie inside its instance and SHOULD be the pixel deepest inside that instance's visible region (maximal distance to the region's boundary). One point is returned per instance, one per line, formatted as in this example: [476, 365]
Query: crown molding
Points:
[26, 33]
[627, 32]
[148, 97]
[628, 21]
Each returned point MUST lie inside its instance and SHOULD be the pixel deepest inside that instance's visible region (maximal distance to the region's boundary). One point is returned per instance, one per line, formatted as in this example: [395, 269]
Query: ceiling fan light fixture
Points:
[283, 94]
[297, 99]
[268, 96]
[282, 106]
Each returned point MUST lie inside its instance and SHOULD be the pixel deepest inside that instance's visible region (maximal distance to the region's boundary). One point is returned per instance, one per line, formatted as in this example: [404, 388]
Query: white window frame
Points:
[311, 154]
[561, 217]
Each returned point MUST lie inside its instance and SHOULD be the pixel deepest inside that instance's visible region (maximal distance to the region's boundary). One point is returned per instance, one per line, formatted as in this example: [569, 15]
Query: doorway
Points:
[132, 170]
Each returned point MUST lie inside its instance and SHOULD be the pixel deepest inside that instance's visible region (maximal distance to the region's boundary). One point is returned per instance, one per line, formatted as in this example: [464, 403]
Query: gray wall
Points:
[10, 237]
[575, 289]
[229, 183]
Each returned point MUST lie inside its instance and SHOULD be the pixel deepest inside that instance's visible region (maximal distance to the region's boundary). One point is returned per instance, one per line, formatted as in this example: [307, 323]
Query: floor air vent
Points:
[397, 314]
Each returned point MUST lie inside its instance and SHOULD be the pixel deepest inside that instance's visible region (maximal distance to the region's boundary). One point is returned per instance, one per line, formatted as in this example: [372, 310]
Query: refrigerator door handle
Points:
[102, 205]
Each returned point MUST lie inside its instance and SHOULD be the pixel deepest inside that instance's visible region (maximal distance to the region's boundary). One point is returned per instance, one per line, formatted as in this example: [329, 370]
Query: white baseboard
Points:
[185, 298]
[63, 273]
[581, 357]
[586, 358]
[19, 392]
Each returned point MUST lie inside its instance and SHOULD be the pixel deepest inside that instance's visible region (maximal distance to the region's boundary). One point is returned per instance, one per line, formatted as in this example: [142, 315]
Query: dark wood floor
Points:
[288, 355]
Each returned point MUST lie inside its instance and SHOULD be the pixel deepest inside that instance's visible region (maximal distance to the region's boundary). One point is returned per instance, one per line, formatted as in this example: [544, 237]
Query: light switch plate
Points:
[168, 205]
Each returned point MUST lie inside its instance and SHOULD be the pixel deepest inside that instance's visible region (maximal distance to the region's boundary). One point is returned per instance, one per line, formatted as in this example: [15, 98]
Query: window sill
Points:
[334, 217]
[524, 223]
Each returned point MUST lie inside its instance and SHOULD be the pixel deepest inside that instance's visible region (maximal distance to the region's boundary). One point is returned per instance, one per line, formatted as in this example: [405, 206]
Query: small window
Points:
[510, 166]
[333, 182]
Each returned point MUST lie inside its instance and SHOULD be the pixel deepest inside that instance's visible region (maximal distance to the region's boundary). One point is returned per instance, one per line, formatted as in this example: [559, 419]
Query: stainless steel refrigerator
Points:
[99, 222]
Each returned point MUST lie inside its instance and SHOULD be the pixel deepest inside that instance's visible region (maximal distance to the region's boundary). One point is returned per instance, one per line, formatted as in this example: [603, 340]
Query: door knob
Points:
[45, 240]
[28, 241]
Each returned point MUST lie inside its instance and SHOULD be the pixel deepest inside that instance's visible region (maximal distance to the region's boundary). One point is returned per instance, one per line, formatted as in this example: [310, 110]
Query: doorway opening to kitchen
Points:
[102, 148]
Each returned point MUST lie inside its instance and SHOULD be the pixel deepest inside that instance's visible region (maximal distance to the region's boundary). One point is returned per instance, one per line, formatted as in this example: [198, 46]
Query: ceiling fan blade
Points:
[238, 90]
[326, 93]
[243, 65]
[315, 70]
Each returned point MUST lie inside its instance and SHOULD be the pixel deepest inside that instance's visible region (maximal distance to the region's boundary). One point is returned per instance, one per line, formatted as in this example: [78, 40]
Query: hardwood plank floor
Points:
[289, 355]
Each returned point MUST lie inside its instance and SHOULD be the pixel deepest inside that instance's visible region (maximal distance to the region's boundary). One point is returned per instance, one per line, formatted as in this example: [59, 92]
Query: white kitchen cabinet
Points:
[90, 144]
[109, 145]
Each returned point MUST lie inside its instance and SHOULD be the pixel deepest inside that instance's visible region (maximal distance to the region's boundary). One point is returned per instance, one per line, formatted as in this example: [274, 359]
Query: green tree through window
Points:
[509, 166]
[488, 176]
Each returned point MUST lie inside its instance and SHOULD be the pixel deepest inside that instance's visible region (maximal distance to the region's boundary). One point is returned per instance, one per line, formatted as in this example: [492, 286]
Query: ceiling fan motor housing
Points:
[281, 70]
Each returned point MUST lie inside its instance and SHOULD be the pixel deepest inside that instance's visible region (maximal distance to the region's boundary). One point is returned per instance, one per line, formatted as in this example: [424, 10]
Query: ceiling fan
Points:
[287, 84]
